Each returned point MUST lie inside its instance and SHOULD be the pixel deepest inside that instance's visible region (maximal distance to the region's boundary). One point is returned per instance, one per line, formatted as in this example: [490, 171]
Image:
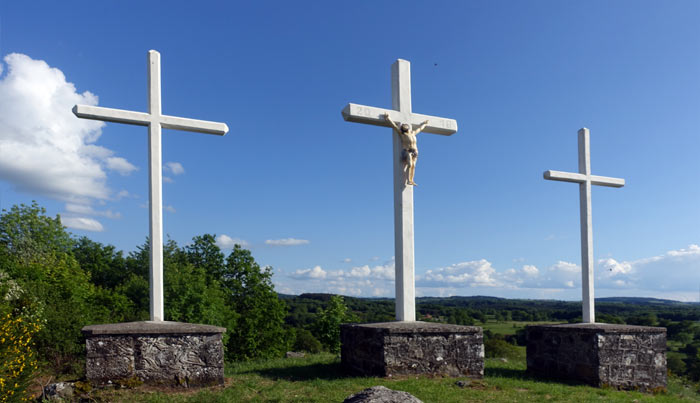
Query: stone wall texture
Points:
[412, 348]
[160, 353]
[621, 356]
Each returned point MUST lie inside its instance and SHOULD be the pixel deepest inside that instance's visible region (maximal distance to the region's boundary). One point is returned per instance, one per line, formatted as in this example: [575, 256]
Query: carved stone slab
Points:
[621, 356]
[412, 348]
[162, 353]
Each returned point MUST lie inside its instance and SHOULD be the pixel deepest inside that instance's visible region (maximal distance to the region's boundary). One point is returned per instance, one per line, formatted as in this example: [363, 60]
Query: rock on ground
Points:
[59, 391]
[382, 394]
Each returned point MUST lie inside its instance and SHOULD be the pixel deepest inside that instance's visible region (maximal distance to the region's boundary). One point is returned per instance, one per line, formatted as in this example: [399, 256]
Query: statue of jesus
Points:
[409, 144]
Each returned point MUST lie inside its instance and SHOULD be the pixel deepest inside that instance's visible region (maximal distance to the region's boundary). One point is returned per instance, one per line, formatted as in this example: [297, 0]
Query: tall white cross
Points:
[155, 121]
[403, 194]
[585, 180]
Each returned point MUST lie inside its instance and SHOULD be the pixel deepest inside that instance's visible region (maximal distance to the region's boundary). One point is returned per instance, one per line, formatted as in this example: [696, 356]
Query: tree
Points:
[106, 265]
[206, 254]
[191, 295]
[30, 236]
[327, 324]
[259, 331]
[37, 250]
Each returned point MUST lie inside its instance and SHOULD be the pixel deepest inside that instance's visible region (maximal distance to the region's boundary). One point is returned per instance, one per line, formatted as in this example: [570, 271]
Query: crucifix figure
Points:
[409, 142]
[585, 180]
[155, 121]
[403, 191]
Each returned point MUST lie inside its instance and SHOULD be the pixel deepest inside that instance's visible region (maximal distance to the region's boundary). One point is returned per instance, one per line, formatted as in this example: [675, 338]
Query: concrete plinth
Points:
[621, 356]
[160, 353]
[412, 348]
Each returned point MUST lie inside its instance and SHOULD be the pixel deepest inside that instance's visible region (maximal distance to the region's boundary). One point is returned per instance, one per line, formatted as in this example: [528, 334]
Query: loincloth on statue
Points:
[409, 151]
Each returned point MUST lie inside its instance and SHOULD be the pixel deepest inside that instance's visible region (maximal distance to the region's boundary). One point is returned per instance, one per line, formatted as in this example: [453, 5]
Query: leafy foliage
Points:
[327, 324]
[17, 357]
[304, 340]
[259, 331]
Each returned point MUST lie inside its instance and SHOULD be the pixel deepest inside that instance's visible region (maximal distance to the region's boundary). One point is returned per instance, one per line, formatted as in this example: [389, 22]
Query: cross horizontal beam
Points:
[144, 119]
[375, 116]
[581, 178]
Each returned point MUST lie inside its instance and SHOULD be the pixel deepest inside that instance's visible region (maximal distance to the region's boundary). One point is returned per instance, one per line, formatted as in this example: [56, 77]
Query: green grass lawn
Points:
[320, 378]
[509, 327]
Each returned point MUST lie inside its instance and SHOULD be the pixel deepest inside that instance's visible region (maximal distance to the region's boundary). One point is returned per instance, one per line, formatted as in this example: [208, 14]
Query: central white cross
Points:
[155, 121]
[403, 194]
[585, 180]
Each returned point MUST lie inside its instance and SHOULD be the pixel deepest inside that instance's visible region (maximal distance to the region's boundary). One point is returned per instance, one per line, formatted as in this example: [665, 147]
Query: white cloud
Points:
[674, 271]
[347, 260]
[692, 251]
[83, 223]
[612, 267]
[477, 273]
[120, 165]
[530, 270]
[167, 179]
[565, 267]
[286, 242]
[174, 168]
[84, 209]
[224, 241]
[169, 208]
[313, 273]
[44, 148]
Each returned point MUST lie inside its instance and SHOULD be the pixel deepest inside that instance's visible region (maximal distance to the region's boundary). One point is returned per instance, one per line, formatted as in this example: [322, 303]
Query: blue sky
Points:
[311, 195]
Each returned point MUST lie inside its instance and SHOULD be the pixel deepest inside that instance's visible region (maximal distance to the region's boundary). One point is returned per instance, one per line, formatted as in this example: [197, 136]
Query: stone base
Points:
[157, 353]
[621, 356]
[412, 348]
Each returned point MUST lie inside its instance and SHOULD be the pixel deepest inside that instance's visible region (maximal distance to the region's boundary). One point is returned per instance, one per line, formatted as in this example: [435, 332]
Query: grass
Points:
[320, 378]
[509, 327]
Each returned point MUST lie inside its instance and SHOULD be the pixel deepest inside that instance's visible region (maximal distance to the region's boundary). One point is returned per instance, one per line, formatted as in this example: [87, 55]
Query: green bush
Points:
[327, 324]
[499, 348]
[305, 341]
[17, 357]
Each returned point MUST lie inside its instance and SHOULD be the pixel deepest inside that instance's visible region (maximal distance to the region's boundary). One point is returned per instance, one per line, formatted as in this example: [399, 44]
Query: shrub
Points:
[499, 348]
[17, 358]
[327, 324]
[305, 341]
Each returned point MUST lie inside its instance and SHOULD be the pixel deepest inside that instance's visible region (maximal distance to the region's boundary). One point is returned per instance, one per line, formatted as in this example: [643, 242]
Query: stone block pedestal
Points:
[157, 353]
[412, 348]
[621, 356]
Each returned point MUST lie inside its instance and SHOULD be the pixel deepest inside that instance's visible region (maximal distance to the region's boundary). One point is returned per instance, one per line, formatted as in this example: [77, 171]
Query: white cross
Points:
[155, 121]
[403, 194]
[585, 180]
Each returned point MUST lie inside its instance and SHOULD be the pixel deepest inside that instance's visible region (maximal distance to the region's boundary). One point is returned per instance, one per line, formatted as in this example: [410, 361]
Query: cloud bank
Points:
[674, 275]
[44, 148]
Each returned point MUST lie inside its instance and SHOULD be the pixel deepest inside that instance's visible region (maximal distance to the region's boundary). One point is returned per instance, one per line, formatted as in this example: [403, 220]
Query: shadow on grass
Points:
[523, 375]
[306, 372]
[508, 373]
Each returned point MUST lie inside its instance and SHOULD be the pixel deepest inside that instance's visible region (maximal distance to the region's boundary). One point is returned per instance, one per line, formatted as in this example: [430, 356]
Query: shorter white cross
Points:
[585, 180]
[155, 121]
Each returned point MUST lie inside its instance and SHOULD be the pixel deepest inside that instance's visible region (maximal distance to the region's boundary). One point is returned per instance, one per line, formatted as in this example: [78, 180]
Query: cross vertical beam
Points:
[586, 216]
[155, 189]
[403, 202]
[403, 194]
[155, 121]
[585, 180]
